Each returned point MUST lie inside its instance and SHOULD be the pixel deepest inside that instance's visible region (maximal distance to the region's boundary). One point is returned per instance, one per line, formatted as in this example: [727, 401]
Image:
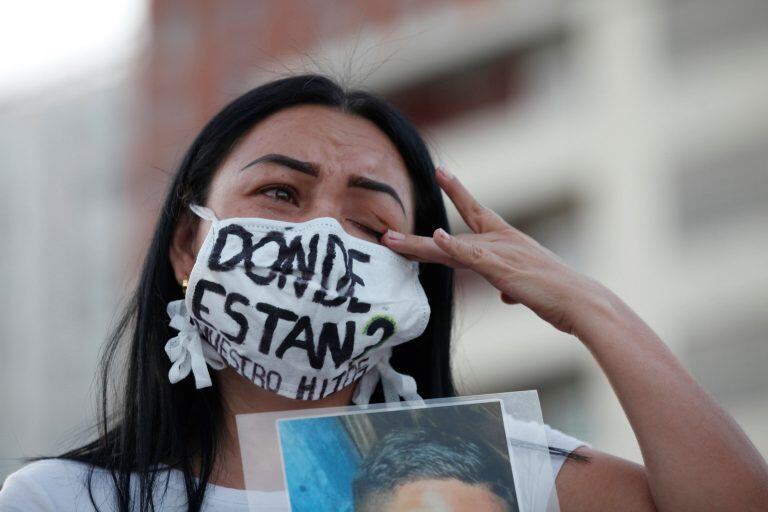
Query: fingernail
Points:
[394, 235]
[444, 173]
[440, 233]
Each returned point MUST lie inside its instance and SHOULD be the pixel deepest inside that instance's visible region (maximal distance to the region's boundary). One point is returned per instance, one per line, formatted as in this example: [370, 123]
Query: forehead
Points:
[448, 494]
[339, 143]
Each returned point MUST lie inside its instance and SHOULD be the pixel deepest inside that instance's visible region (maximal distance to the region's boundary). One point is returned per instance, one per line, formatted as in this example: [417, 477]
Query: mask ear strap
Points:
[365, 387]
[395, 385]
[203, 212]
[187, 352]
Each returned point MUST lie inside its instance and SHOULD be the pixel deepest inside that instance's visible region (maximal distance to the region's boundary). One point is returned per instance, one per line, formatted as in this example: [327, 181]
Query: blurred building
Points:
[64, 154]
[628, 136]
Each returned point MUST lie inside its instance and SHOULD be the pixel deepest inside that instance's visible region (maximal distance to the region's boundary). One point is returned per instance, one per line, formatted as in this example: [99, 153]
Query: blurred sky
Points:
[46, 41]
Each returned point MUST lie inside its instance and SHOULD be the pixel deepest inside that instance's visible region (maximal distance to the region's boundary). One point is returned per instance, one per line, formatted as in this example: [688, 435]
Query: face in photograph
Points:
[450, 495]
[432, 470]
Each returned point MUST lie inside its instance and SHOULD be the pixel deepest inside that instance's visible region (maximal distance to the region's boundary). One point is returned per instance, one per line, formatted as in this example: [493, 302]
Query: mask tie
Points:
[395, 385]
[186, 351]
[204, 212]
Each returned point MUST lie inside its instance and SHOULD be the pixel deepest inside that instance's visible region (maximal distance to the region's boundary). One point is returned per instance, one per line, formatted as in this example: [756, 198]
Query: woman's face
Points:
[305, 162]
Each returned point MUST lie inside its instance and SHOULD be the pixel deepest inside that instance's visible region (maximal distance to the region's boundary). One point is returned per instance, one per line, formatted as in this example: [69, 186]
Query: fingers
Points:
[473, 256]
[451, 251]
[479, 218]
[419, 248]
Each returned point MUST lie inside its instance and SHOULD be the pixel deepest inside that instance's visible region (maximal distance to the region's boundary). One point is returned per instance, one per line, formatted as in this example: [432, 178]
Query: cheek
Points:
[410, 224]
[410, 209]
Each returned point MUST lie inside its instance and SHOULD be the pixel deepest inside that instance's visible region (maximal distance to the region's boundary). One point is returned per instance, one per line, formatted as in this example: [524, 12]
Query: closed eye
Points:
[376, 234]
[283, 193]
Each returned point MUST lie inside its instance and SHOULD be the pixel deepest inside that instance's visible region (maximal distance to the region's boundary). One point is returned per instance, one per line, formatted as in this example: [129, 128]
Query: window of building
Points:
[513, 76]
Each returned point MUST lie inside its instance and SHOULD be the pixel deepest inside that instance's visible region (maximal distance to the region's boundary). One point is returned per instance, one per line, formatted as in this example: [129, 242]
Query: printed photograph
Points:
[444, 457]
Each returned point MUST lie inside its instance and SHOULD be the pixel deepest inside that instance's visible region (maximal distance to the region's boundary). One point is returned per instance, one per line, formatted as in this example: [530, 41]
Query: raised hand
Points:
[524, 271]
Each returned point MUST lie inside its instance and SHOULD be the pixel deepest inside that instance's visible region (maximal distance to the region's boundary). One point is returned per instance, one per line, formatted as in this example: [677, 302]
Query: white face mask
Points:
[299, 309]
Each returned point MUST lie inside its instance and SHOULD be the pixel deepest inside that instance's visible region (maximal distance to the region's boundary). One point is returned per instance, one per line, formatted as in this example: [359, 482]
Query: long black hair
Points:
[148, 420]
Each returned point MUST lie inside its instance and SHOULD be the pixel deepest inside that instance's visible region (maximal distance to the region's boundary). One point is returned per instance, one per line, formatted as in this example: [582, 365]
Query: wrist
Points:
[601, 311]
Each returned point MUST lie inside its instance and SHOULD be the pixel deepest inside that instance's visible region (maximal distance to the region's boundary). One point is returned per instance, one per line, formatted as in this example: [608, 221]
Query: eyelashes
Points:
[372, 232]
[280, 188]
[281, 191]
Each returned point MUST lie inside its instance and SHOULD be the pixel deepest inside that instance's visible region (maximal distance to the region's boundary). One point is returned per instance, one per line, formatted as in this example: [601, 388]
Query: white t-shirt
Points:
[58, 485]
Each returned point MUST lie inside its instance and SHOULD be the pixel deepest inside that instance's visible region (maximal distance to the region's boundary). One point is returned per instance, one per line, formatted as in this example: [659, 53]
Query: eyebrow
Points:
[376, 186]
[292, 163]
[312, 170]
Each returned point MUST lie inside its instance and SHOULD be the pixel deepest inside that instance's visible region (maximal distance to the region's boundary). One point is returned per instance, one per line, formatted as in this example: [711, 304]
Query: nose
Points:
[333, 207]
[329, 199]
[325, 206]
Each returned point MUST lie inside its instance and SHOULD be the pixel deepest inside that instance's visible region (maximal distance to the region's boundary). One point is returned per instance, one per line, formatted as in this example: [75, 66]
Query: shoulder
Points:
[579, 482]
[64, 485]
[537, 453]
[52, 484]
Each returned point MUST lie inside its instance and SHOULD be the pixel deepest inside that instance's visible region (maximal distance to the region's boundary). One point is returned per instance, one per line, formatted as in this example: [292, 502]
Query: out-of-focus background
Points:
[628, 136]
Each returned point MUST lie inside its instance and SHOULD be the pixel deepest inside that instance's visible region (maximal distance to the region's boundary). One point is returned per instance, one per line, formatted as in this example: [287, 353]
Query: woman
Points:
[301, 148]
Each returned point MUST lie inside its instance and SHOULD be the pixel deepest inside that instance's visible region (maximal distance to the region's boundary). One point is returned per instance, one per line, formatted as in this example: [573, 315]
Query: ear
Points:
[183, 247]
